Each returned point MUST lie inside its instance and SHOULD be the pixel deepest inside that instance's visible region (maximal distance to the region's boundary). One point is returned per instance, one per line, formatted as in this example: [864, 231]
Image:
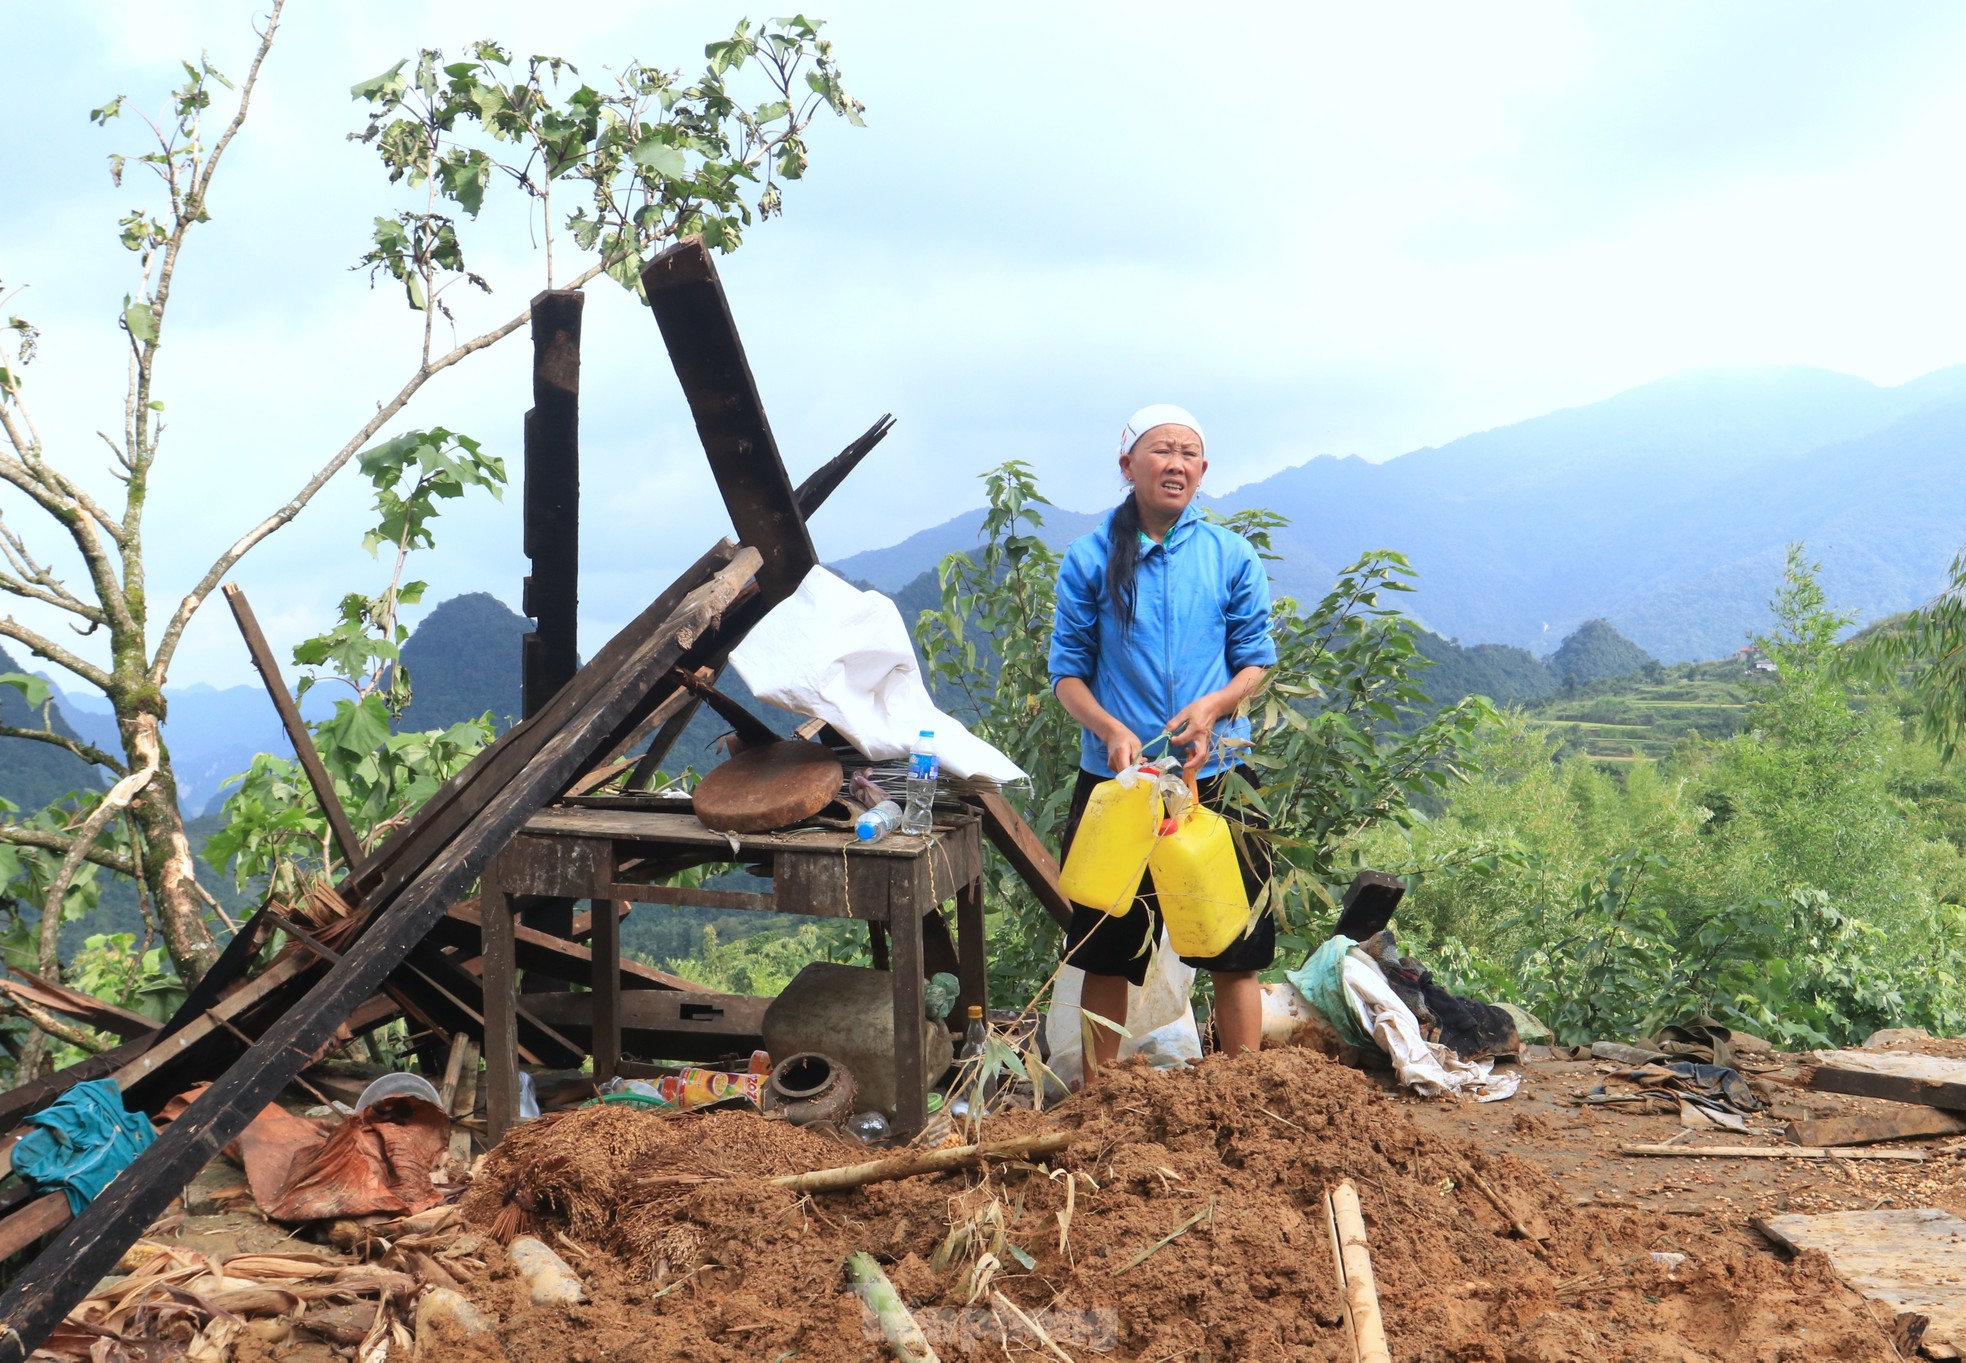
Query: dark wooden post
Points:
[551, 652]
[552, 498]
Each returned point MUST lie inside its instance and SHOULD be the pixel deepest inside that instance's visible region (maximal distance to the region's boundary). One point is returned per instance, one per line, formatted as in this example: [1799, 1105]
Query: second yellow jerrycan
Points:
[1109, 851]
[1198, 884]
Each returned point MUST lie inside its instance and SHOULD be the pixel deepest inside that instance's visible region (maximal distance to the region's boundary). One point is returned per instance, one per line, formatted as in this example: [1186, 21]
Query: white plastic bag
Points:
[843, 655]
[1160, 1016]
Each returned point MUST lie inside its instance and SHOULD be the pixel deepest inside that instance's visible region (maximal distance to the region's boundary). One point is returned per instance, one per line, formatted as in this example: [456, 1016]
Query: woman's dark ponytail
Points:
[1123, 559]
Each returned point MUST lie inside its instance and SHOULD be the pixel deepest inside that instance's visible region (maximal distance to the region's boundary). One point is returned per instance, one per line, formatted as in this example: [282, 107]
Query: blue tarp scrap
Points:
[82, 1142]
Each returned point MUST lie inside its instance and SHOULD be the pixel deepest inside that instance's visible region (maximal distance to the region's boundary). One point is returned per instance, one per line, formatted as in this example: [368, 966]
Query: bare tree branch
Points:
[42, 647]
[167, 645]
[47, 840]
[87, 752]
[82, 839]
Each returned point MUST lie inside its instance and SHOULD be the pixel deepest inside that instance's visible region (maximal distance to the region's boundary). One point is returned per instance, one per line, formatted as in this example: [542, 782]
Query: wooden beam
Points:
[1026, 853]
[49, 1287]
[1924, 1079]
[318, 779]
[697, 327]
[667, 1026]
[811, 496]
[550, 654]
[463, 927]
[454, 803]
[1903, 1124]
[84, 1008]
[22, 1228]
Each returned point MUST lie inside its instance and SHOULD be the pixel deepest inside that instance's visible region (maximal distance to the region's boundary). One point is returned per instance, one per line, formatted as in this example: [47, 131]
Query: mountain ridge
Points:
[1664, 509]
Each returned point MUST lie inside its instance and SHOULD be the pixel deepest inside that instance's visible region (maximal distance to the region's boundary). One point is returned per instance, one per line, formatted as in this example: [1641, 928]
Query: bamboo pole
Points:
[1769, 1152]
[1358, 1291]
[898, 1326]
[921, 1162]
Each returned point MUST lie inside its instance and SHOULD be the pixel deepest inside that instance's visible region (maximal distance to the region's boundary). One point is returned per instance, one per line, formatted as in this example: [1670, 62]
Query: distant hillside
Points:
[1663, 510]
[33, 773]
[463, 660]
[1619, 720]
[1597, 651]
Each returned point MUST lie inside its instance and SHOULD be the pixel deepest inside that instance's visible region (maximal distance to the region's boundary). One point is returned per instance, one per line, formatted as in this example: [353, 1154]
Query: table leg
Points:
[972, 948]
[501, 1012]
[606, 984]
[910, 1071]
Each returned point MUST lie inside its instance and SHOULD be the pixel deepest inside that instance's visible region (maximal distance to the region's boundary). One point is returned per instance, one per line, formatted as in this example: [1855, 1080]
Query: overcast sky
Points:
[1326, 229]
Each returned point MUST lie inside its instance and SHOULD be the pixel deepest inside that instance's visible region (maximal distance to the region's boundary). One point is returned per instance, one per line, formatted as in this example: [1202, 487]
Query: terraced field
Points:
[1617, 722]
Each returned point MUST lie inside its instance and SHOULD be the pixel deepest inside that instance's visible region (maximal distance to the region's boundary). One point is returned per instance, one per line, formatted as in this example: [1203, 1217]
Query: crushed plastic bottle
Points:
[923, 772]
[867, 1127]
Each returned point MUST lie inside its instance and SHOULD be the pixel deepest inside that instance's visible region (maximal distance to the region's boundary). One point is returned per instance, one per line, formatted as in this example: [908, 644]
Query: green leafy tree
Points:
[1928, 647]
[655, 157]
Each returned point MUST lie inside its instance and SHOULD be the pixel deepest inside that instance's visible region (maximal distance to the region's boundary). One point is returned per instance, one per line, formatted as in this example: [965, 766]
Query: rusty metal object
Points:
[774, 786]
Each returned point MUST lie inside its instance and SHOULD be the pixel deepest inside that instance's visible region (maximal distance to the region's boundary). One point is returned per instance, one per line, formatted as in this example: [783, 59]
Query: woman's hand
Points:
[1122, 747]
[1194, 726]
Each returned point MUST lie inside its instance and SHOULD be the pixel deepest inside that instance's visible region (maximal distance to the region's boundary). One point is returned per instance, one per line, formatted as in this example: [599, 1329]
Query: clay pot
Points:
[809, 1088]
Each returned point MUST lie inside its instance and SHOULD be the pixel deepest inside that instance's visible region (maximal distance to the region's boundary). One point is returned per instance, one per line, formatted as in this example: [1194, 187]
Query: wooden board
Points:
[1026, 853]
[771, 786]
[688, 301]
[1898, 1076]
[1909, 1123]
[1908, 1260]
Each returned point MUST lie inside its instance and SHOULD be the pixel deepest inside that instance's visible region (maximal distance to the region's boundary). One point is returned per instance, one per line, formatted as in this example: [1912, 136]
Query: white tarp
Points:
[843, 655]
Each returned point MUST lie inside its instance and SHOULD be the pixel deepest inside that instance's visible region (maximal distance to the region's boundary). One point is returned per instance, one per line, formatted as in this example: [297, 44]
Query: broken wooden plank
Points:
[1911, 1260]
[1026, 853]
[811, 496]
[689, 305]
[50, 1286]
[318, 779]
[1908, 1123]
[1898, 1076]
[392, 864]
[1768, 1152]
[84, 1008]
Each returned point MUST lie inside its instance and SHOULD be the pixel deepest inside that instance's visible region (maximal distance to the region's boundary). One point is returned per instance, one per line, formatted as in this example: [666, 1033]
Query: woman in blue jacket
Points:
[1162, 626]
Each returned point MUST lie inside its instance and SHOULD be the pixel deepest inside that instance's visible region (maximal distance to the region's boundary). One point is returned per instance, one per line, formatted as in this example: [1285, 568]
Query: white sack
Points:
[1160, 1014]
[843, 655]
[1429, 1069]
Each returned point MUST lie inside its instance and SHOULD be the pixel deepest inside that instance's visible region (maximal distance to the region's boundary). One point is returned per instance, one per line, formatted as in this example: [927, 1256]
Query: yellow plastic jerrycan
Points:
[1198, 884]
[1109, 851]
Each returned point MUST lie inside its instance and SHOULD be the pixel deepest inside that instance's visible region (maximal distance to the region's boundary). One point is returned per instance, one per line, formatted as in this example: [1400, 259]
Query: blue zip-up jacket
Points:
[1201, 615]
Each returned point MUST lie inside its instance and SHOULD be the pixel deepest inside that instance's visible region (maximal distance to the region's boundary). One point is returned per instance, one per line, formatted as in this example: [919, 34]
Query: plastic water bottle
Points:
[878, 822]
[923, 770]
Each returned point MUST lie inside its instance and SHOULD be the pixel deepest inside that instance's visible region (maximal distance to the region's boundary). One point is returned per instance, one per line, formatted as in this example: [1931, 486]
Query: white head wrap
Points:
[1160, 414]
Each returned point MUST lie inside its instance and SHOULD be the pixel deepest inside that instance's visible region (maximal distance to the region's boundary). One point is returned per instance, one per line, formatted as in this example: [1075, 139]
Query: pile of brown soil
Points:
[1240, 1151]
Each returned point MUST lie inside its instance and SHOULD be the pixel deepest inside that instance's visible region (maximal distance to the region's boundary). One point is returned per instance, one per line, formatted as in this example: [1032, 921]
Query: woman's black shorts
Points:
[1101, 944]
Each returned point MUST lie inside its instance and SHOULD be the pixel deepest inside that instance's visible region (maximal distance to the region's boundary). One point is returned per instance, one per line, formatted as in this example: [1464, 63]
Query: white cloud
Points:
[1327, 228]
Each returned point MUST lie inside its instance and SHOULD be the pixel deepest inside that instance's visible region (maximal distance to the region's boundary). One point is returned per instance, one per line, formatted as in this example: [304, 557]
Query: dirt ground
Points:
[1510, 1232]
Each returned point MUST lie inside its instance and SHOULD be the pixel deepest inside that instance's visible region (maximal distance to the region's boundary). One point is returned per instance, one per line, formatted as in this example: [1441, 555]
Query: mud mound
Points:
[1480, 1258]
[614, 1177]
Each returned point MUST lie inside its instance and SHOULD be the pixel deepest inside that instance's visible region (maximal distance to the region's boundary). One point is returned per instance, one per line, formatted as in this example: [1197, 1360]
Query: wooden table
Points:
[587, 852]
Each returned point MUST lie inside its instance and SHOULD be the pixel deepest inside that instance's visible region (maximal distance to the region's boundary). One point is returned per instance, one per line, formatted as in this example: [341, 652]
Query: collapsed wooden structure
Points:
[398, 934]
